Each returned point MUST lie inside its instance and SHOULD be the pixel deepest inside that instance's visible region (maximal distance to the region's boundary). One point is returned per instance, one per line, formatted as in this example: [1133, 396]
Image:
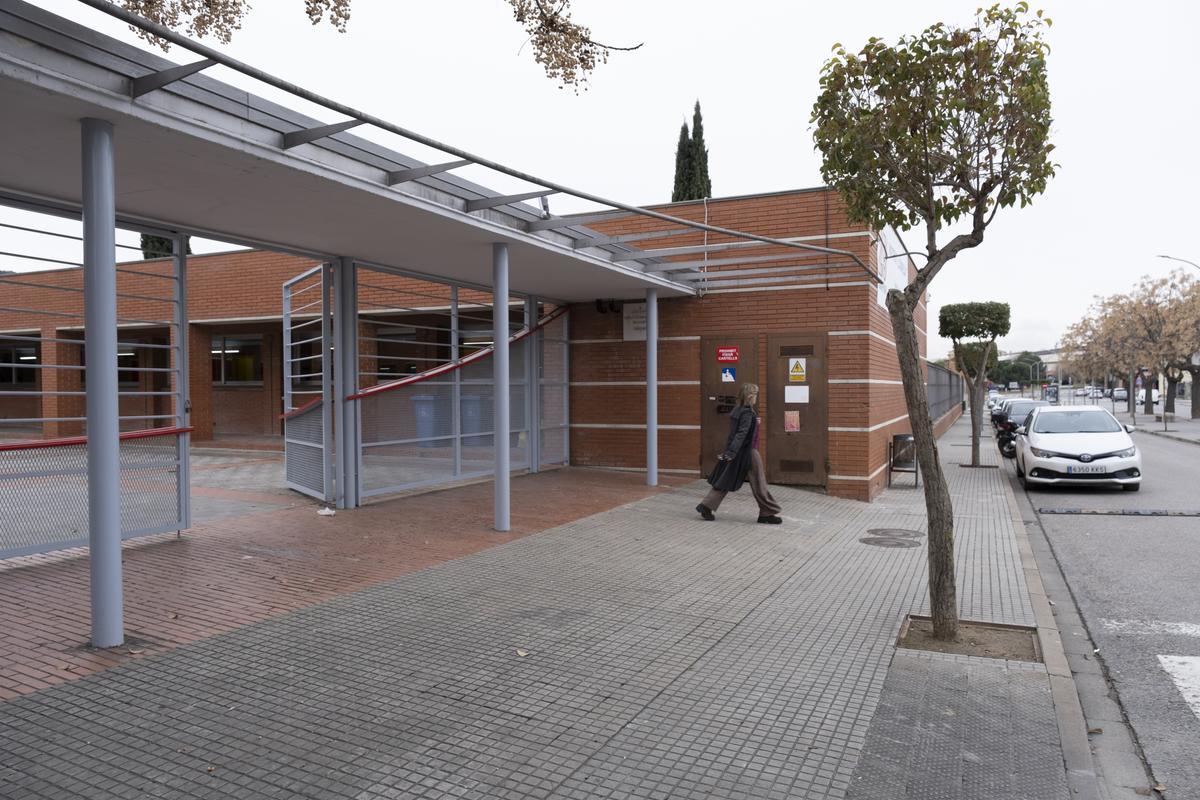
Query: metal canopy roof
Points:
[200, 156]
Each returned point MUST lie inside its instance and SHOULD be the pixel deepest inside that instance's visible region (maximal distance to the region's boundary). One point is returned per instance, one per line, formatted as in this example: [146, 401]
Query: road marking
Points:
[1185, 671]
[1121, 512]
[1151, 627]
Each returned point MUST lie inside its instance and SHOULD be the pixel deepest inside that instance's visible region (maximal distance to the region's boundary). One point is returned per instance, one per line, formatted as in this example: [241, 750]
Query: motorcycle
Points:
[1006, 439]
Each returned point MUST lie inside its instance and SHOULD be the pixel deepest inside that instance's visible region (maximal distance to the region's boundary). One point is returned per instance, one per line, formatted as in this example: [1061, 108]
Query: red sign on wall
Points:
[726, 354]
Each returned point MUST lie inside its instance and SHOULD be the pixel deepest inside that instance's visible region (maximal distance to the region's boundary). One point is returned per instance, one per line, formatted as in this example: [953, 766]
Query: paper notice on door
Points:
[791, 421]
[795, 394]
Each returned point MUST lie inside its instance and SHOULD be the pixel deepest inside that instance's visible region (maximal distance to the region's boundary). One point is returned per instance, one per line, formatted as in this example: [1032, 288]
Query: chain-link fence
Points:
[945, 390]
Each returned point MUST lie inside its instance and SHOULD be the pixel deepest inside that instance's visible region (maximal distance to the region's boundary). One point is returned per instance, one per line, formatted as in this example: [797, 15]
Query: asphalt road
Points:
[1136, 581]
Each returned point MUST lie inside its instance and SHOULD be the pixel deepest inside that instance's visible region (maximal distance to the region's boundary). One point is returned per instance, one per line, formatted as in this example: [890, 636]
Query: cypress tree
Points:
[683, 166]
[701, 184]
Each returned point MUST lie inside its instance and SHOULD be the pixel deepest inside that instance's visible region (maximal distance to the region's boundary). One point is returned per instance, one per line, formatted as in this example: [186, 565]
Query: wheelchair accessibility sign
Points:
[728, 374]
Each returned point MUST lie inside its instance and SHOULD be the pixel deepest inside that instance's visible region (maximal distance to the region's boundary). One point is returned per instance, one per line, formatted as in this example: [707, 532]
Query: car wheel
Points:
[1131, 487]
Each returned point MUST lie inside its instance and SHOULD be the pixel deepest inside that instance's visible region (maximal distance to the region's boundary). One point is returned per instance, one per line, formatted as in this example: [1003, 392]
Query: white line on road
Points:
[1151, 627]
[1185, 671]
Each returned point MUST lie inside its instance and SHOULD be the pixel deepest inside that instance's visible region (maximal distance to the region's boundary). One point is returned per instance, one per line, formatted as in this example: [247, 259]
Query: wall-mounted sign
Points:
[795, 394]
[797, 370]
[791, 421]
[728, 375]
[633, 321]
[726, 354]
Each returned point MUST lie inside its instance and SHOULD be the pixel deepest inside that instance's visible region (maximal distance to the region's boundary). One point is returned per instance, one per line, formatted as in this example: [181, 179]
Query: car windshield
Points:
[1020, 410]
[1093, 421]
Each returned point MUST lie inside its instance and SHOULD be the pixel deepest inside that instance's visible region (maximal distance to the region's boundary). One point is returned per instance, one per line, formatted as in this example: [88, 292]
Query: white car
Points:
[1077, 445]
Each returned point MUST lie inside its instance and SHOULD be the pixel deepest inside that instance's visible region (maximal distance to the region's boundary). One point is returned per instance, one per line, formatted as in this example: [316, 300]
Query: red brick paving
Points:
[233, 572]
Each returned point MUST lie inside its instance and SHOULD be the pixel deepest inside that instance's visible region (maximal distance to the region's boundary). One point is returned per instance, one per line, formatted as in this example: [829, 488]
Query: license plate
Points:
[1088, 469]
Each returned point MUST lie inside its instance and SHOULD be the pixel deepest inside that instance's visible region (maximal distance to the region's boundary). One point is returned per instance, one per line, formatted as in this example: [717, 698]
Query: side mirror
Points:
[1021, 431]
[1130, 429]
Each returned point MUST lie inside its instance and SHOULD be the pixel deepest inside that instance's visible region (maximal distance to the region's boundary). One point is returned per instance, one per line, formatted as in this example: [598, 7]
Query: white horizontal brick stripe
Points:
[633, 383]
[857, 477]
[866, 380]
[900, 418]
[635, 341]
[623, 426]
[695, 472]
[788, 287]
[872, 334]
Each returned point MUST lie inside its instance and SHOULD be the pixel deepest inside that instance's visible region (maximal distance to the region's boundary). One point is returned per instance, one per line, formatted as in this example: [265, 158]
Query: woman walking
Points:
[739, 460]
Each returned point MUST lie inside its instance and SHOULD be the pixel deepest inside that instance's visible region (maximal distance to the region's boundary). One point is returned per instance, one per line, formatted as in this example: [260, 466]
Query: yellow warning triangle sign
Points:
[797, 372]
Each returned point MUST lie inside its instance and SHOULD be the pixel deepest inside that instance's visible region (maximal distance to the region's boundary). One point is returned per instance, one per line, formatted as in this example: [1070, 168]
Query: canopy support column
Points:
[103, 421]
[345, 372]
[652, 387]
[500, 379]
[533, 387]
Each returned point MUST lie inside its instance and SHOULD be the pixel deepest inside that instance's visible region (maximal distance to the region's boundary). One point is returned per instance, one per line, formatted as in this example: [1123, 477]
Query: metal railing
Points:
[945, 391]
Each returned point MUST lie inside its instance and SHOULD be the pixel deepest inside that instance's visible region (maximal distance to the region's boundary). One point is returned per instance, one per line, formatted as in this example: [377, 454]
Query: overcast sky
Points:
[1124, 93]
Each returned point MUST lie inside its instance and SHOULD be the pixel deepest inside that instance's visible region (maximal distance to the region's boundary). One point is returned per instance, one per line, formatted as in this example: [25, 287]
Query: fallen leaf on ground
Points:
[522, 653]
[136, 651]
[1142, 791]
[1095, 730]
[174, 616]
[1158, 787]
[325, 512]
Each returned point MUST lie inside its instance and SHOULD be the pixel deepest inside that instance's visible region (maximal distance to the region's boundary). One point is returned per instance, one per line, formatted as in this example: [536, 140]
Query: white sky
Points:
[1127, 115]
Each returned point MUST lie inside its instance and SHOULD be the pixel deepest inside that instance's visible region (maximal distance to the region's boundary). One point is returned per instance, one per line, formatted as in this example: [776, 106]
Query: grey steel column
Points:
[456, 389]
[183, 401]
[500, 380]
[345, 377]
[103, 422]
[533, 388]
[652, 387]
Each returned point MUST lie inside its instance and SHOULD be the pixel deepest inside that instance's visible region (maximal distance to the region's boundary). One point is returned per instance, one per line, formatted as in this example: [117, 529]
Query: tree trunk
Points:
[943, 605]
[1169, 400]
[1195, 391]
[975, 397]
[1131, 399]
[1148, 388]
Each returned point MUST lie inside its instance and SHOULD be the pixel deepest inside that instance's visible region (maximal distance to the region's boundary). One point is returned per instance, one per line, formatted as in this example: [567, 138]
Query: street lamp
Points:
[1184, 260]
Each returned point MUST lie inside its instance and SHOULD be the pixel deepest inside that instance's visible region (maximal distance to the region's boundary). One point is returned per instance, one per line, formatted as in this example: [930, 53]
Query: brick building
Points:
[808, 326]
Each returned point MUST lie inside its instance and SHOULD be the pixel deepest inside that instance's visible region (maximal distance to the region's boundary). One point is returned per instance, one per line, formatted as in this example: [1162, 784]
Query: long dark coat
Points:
[728, 476]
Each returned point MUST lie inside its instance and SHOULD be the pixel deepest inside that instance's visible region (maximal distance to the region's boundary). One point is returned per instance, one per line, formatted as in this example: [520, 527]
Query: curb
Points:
[1072, 728]
[1167, 435]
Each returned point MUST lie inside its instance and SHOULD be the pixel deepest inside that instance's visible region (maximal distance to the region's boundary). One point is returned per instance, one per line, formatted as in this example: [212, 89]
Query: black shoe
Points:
[706, 512]
[769, 520]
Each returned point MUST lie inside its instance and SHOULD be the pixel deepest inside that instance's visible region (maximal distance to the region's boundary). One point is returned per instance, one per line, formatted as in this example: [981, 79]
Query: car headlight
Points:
[1130, 453]
[1038, 453]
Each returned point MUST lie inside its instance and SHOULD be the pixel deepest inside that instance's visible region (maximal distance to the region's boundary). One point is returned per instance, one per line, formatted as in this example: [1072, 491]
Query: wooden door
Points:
[726, 362]
[796, 432]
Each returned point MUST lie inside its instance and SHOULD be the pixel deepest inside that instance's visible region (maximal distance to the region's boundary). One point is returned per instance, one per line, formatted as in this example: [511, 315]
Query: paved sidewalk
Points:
[636, 653]
[1182, 427]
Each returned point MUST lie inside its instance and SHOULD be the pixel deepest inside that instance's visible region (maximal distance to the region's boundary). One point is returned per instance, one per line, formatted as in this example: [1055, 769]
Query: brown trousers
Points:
[757, 478]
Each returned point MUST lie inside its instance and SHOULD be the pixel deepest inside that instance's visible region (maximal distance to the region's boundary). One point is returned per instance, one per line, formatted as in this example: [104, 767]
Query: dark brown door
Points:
[726, 362]
[797, 403]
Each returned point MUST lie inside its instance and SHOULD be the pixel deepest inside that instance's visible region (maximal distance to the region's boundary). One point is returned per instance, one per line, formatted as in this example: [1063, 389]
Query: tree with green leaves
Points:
[161, 246]
[691, 162]
[973, 328]
[941, 129]
[683, 166]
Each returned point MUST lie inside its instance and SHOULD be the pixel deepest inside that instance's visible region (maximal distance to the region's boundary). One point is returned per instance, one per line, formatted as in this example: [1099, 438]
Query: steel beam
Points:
[500, 379]
[157, 80]
[566, 222]
[100, 348]
[411, 174]
[297, 138]
[652, 387]
[504, 200]
[533, 387]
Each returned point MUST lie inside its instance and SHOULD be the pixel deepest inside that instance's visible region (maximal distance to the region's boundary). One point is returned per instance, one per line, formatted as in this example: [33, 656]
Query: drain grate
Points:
[1120, 512]
[892, 537]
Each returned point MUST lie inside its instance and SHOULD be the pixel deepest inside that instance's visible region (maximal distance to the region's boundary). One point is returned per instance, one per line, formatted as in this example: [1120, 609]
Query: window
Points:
[15, 369]
[237, 360]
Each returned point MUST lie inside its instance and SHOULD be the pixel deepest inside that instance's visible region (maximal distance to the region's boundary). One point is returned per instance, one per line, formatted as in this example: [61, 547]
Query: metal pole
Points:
[183, 402]
[652, 387]
[533, 388]
[103, 420]
[500, 381]
[456, 389]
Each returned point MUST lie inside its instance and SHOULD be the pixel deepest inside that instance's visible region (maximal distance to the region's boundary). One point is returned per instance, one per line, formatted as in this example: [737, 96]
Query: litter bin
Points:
[902, 457]
[425, 413]
[472, 414]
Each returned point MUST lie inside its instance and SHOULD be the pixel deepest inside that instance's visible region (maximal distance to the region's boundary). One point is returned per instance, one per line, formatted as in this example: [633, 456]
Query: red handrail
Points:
[444, 369]
[300, 409]
[77, 440]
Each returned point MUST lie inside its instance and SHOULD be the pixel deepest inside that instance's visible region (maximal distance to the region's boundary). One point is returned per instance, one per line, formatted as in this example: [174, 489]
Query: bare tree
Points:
[564, 48]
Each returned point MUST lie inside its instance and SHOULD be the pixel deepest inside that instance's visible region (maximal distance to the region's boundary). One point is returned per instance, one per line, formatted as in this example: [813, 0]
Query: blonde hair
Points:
[748, 389]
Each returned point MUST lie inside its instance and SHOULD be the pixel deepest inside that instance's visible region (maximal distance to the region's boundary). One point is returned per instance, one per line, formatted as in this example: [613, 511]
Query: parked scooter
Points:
[1006, 439]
